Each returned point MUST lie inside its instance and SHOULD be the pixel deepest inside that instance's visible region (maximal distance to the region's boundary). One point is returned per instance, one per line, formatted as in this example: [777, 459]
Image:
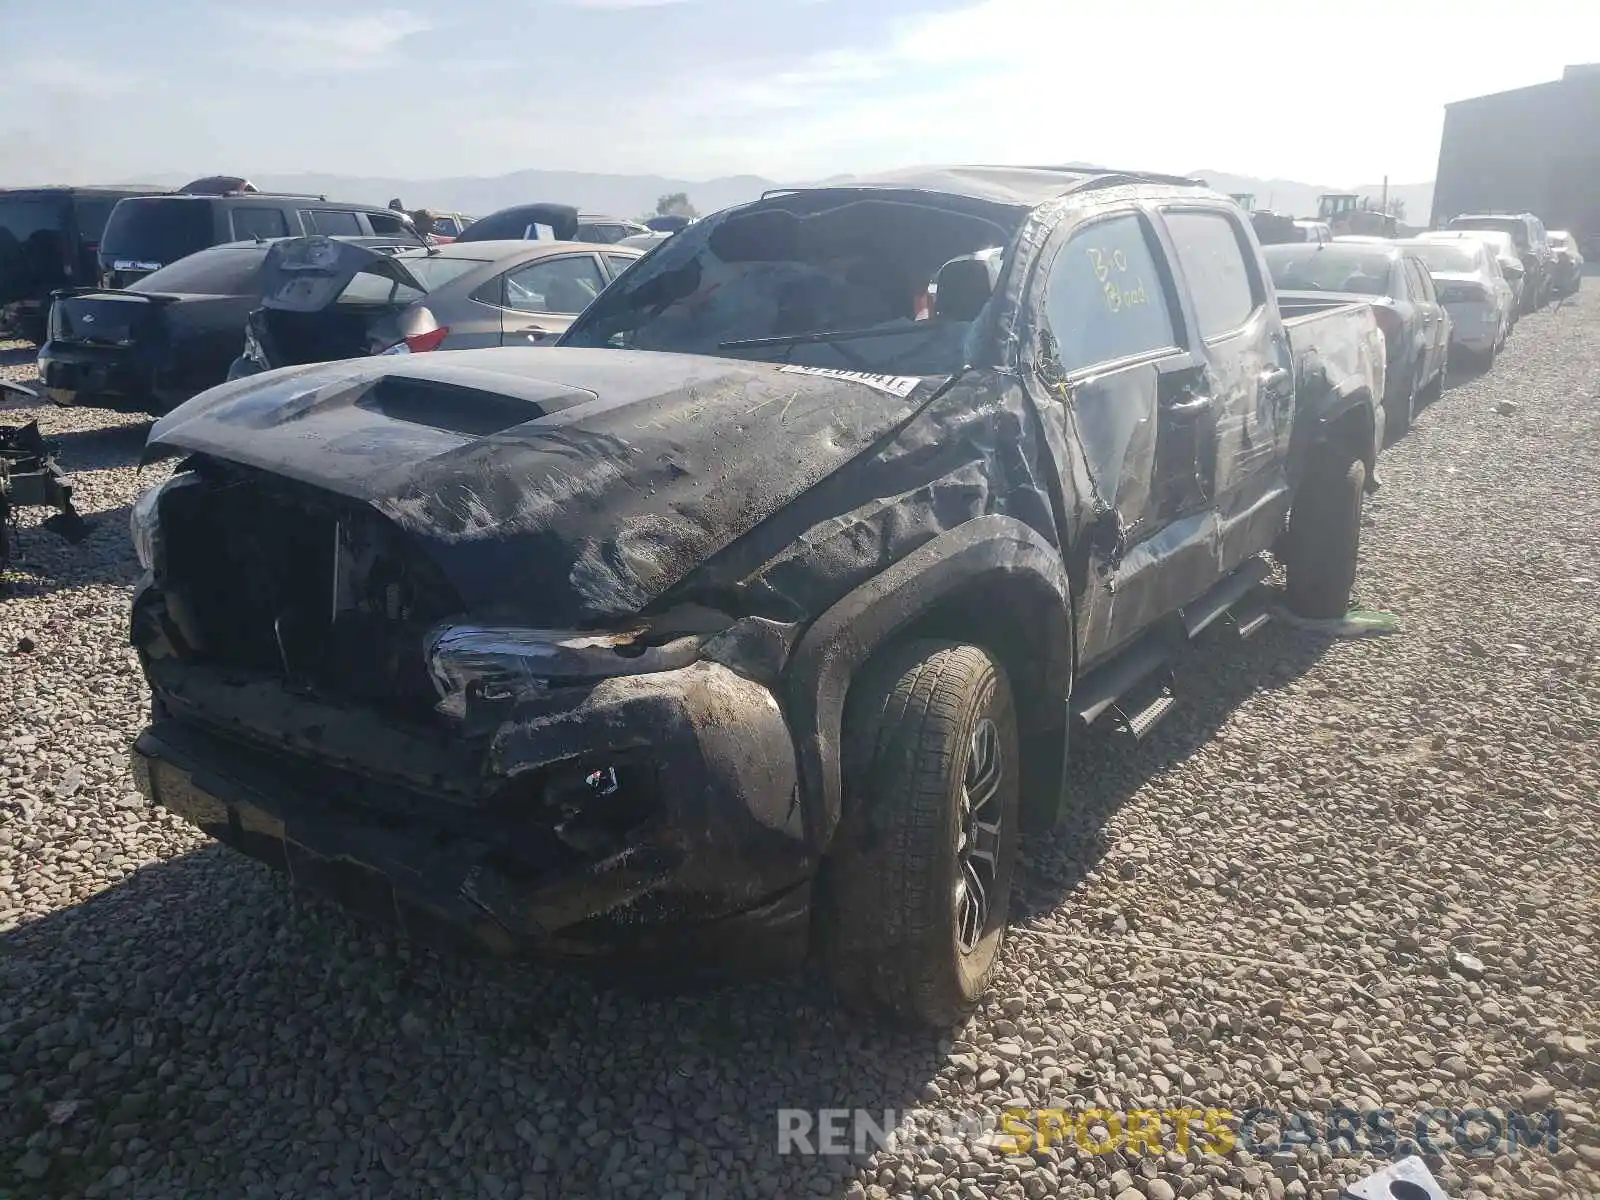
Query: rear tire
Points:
[917, 890]
[1324, 541]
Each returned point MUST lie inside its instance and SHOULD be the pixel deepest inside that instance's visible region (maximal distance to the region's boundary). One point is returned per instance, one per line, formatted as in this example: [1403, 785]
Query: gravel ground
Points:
[1365, 872]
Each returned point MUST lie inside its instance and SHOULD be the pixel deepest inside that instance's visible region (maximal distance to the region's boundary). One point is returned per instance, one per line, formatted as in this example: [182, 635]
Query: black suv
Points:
[49, 238]
[146, 233]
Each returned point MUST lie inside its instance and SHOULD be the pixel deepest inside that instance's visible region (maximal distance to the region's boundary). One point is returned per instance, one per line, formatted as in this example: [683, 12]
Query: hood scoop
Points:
[449, 407]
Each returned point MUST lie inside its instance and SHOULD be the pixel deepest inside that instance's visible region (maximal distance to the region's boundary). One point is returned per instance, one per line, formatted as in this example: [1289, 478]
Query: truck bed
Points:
[1339, 351]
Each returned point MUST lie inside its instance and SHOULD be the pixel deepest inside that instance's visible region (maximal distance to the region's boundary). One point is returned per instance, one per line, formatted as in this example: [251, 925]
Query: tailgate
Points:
[105, 318]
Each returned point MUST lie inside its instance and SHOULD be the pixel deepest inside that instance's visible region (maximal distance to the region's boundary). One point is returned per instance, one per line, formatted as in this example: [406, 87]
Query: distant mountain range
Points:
[632, 195]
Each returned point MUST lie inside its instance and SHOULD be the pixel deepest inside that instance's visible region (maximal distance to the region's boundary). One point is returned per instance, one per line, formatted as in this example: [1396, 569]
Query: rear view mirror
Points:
[963, 285]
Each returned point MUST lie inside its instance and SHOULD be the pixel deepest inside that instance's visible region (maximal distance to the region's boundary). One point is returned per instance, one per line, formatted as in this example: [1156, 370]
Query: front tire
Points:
[1324, 540]
[917, 889]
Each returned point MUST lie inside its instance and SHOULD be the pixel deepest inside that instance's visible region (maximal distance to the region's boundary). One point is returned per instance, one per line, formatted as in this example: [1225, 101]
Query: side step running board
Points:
[1138, 717]
[1103, 687]
[1247, 625]
[1135, 687]
[1224, 596]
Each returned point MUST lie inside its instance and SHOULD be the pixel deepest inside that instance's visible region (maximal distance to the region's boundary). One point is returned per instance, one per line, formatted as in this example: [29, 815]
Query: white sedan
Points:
[1475, 294]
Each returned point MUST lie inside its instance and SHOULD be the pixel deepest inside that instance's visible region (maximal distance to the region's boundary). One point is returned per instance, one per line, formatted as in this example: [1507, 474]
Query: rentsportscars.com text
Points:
[1384, 1132]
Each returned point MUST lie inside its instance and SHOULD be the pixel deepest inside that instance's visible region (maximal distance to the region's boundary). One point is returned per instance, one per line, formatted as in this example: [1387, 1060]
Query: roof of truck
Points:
[1022, 187]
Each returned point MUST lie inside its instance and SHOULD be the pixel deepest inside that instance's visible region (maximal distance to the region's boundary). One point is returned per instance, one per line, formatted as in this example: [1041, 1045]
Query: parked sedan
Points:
[150, 346]
[323, 300]
[1533, 246]
[1395, 282]
[1505, 254]
[1567, 269]
[1475, 294]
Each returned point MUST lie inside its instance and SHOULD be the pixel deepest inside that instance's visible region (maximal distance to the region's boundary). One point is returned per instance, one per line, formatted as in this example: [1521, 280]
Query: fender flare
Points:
[842, 639]
[1346, 397]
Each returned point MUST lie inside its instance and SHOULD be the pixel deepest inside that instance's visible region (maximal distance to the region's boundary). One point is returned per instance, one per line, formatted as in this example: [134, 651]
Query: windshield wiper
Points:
[821, 337]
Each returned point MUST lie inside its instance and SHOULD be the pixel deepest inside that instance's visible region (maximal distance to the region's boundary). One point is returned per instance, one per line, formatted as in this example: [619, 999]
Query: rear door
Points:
[539, 299]
[1251, 369]
[1112, 363]
[1435, 321]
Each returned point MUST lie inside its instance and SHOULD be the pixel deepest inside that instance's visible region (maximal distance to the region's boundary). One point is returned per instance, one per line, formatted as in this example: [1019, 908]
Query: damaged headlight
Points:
[499, 663]
[144, 521]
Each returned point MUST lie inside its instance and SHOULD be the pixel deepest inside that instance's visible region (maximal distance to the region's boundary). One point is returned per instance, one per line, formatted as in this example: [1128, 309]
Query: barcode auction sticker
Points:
[895, 385]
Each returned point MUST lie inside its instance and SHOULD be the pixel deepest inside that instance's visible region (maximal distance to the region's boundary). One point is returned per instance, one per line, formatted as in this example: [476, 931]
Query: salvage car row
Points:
[749, 618]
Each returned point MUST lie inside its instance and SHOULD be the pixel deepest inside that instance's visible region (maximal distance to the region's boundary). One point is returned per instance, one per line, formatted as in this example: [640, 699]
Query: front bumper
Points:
[715, 873]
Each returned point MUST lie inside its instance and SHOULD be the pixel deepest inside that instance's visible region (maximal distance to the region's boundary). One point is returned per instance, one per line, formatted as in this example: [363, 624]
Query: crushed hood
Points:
[559, 487]
[306, 274]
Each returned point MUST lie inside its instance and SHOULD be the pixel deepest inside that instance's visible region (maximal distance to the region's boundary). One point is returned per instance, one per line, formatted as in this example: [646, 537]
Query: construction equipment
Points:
[1347, 213]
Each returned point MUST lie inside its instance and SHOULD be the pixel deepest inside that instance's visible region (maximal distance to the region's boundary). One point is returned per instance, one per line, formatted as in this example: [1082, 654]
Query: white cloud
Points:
[335, 43]
[68, 76]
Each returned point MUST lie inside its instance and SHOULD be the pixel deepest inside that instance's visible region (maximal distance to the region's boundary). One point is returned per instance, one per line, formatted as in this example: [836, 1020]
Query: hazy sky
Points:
[1324, 91]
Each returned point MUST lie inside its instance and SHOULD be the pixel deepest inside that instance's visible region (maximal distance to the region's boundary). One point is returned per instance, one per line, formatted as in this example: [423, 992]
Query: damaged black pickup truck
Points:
[749, 621]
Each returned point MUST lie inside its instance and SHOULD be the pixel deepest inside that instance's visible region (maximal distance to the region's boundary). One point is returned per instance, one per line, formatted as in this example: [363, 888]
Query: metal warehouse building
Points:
[1535, 149]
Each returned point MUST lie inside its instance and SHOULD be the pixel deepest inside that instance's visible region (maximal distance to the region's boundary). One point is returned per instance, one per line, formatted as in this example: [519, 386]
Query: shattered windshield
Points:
[1329, 268]
[851, 283]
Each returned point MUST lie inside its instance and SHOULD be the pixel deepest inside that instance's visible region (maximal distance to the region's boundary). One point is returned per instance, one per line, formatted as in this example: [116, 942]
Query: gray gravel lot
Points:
[1364, 873]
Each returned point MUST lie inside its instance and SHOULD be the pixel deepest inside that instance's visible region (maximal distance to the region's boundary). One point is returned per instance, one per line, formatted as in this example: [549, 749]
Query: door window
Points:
[334, 222]
[1107, 296]
[387, 224]
[618, 263]
[1223, 283]
[554, 285]
[1421, 281]
[251, 223]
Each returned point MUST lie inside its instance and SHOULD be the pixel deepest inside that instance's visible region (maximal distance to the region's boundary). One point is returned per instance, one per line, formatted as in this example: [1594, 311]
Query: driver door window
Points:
[1107, 298]
[554, 285]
